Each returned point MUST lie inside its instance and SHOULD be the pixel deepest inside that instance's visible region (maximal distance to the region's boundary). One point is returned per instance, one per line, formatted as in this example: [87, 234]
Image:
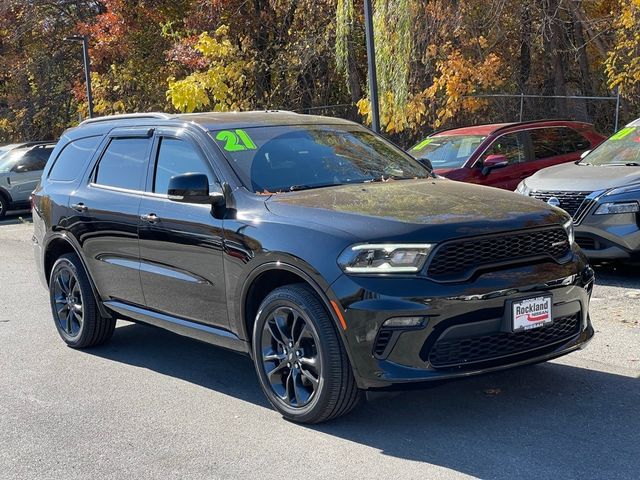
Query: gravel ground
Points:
[154, 405]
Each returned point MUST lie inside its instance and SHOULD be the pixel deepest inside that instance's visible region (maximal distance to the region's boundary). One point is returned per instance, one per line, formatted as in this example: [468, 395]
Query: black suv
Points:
[331, 257]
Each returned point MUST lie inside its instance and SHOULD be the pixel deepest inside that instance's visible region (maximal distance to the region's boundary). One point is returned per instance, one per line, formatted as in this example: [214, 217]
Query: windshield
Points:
[8, 159]
[285, 158]
[5, 149]
[447, 151]
[622, 148]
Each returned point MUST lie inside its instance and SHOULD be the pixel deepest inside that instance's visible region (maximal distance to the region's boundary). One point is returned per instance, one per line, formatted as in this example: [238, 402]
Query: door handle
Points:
[150, 217]
[79, 207]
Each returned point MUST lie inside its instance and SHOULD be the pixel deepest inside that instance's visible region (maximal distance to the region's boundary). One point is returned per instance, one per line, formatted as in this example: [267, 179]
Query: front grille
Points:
[457, 259]
[466, 351]
[569, 201]
[586, 242]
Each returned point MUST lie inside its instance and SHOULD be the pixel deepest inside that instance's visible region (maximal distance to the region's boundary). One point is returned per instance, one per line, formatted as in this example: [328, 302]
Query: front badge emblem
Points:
[554, 202]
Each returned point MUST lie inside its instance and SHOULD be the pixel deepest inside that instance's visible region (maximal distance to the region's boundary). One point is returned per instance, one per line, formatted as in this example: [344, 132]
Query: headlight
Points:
[522, 189]
[626, 189]
[621, 207]
[384, 257]
[570, 232]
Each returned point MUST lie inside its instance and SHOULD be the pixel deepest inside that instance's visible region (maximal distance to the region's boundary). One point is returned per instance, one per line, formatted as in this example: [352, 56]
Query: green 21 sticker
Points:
[236, 140]
[423, 144]
[622, 133]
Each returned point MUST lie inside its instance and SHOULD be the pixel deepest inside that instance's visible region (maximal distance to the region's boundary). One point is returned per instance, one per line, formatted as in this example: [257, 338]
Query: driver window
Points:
[509, 145]
[176, 157]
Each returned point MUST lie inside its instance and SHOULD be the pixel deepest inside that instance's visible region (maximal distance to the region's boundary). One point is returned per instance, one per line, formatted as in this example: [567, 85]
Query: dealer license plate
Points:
[531, 313]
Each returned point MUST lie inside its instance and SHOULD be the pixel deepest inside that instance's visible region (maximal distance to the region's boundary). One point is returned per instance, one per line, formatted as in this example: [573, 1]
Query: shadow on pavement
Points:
[545, 421]
[16, 217]
[618, 275]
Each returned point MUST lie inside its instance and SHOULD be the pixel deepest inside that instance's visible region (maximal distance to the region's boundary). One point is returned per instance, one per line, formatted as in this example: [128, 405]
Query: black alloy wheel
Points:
[74, 307]
[290, 356]
[68, 300]
[300, 359]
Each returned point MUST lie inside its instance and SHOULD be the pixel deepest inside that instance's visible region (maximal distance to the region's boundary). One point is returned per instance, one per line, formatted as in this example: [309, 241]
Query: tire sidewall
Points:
[4, 205]
[275, 300]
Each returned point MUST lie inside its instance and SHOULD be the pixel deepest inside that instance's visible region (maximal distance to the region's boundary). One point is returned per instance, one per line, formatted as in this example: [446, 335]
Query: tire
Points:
[4, 205]
[74, 307]
[295, 343]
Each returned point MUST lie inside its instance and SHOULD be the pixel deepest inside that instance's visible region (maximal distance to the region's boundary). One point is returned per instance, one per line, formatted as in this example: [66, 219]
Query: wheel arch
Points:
[6, 195]
[59, 244]
[269, 276]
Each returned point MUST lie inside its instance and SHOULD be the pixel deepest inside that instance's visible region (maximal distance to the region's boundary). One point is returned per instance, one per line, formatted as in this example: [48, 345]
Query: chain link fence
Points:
[603, 112]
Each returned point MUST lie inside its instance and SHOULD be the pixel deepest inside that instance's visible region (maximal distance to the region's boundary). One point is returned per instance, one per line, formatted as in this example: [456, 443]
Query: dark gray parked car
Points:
[21, 166]
[601, 192]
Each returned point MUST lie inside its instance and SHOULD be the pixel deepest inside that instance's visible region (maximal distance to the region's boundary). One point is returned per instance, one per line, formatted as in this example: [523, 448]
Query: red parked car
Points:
[502, 154]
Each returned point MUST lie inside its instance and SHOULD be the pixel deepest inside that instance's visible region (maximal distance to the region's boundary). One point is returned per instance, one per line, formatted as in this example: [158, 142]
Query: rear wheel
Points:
[74, 306]
[300, 360]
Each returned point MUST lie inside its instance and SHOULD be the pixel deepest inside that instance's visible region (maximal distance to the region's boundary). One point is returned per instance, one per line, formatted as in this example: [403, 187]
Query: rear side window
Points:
[32, 160]
[547, 142]
[574, 141]
[124, 163]
[73, 158]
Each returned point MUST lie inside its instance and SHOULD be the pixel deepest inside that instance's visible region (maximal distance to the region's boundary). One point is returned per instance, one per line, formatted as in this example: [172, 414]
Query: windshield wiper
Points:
[297, 188]
[628, 164]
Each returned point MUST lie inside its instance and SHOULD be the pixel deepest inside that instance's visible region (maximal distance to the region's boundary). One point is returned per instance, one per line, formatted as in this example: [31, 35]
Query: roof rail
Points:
[533, 122]
[509, 124]
[125, 116]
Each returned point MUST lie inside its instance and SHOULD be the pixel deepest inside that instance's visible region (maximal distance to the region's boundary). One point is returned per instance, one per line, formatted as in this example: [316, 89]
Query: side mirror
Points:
[584, 154]
[426, 163]
[19, 168]
[492, 162]
[193, 188]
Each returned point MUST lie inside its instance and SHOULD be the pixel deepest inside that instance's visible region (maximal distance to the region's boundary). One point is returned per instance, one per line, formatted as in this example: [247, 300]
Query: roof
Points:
[222, 120]
[635, 123]
[11, 146]
[484, 130]
[491, 128]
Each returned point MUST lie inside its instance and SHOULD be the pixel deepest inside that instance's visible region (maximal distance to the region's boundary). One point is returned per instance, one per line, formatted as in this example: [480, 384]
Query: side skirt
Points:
[187, 328]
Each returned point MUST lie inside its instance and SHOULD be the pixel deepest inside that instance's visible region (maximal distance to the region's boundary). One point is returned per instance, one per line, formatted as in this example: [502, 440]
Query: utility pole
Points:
[87, 72]
[371, 58]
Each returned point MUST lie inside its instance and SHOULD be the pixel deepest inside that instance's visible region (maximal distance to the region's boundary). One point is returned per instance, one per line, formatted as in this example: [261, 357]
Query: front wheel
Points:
[4, 206]
[301, 363]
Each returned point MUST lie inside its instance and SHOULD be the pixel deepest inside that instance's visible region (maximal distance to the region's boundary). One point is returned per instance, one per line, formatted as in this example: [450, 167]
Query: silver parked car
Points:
[21, 166]
[601, 192]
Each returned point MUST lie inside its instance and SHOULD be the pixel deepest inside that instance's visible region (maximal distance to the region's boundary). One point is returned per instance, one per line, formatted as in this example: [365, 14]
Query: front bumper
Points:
[472, 319]
[609, 237]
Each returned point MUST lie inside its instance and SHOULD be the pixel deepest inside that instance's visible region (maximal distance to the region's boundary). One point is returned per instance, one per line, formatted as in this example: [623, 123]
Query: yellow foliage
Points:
[221, 85]
[457, 79]
[623, 62]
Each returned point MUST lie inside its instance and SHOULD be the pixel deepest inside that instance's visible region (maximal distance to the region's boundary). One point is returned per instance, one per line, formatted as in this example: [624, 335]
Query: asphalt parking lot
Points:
[154, 405]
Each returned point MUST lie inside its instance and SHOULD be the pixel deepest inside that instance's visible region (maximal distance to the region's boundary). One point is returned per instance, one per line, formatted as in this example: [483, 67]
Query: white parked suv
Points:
[21, 166]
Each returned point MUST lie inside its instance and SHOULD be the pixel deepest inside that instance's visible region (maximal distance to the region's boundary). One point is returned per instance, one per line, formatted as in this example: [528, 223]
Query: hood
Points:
[584, 178]
[420, 210]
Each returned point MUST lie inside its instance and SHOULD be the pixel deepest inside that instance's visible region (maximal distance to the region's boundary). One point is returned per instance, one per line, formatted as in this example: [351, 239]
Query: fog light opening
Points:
[405, 322]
